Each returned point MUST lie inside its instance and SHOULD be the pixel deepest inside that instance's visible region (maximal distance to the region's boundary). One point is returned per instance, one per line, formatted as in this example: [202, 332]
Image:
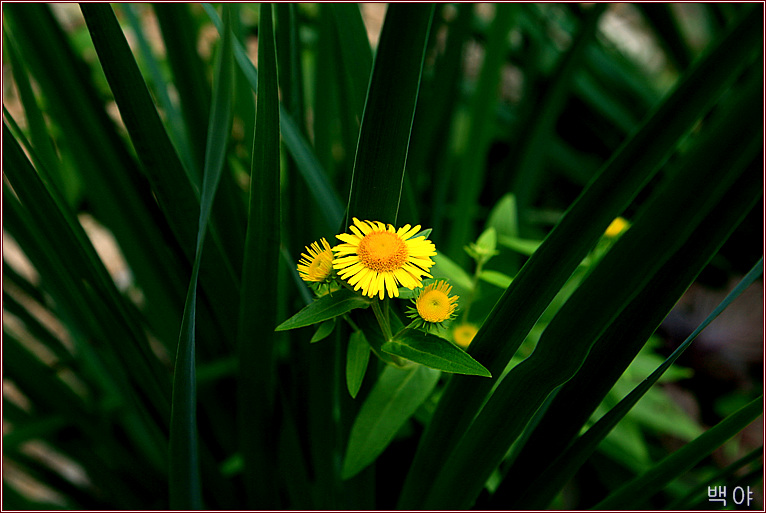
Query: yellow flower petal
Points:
[378, 258]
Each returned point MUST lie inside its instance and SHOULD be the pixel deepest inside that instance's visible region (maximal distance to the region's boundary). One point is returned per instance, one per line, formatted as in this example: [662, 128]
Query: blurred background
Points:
[491, 107]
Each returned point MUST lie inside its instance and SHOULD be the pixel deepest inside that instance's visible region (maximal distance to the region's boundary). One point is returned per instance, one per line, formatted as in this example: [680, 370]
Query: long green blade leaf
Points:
[258, 309]
[469, 181]
[621, 342]
[185, 486]
[565, 247]
[656, 478]
[311, 170]
[379, 165]
[686, 199]
[571, 459]
[354, 50]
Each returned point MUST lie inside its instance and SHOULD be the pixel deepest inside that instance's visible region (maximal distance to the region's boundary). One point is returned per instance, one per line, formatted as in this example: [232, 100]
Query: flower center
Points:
[382, 251]
[434, 306]
[321, 266]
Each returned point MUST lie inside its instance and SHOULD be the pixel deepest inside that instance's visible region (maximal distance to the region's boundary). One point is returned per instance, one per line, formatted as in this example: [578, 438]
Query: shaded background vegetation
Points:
[519, 108]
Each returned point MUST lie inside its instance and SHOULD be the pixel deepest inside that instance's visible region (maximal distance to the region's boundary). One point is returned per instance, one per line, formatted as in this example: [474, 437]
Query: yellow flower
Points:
[616, 227]
[463, 334]
[434, 305]
[377, 258]
[317, 265]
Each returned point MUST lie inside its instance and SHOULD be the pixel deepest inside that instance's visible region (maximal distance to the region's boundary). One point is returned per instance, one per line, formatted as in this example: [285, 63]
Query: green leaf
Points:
[311, 170]
[324, 308]
[393, 91]
[640, 489]
[523, 246]
[93, 149]
[256, 338]
[179, 36]
[392, 401]
[570, 459]
[619, 344]
[504, 217]
[496, 278]
[481, 128]
[539, 127]
[357, 357]
[445, 268]
[434, 352]
[485, 246]
[355, 50]
[185, 485]
[423, 233]
[582, 226]
[175, 193]
[487, 241]
[160, 160]
[41, 140]
[175, 123]
[323, 331]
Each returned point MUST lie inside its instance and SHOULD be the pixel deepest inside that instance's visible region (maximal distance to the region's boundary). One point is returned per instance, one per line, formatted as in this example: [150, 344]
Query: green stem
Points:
[385, 327]
[474, 285]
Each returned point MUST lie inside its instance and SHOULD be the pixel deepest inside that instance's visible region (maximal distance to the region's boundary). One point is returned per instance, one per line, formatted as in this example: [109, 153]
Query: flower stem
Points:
[474, 285]
[385, 327]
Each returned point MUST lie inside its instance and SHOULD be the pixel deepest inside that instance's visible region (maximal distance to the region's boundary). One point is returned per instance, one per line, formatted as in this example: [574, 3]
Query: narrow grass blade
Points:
[379, 165]
[160, 161]
[623, 339]
[258, 308]
[289, 58]
[686, 199]
[116, 190]
[693, 497]
[395, 397]
[180, 39]
[311, 170]
[469, 181]
[640, 489]
[185, 486]
[175, 123]
[575, 455]
[535, 139]
[73, 270]
[565, 247]
[355, 52]
[38, 132]
[80, 298]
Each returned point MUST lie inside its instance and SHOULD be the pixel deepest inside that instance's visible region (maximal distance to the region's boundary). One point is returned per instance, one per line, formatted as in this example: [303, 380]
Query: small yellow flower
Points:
[617, 226]
[434, 305]
[463, 334]
[317, 265]
[378, 259]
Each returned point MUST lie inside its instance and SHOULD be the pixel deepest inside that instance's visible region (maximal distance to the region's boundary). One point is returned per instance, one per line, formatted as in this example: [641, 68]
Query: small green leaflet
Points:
[357, 357]
[325, 308]
[435, 352]
[323, 331]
